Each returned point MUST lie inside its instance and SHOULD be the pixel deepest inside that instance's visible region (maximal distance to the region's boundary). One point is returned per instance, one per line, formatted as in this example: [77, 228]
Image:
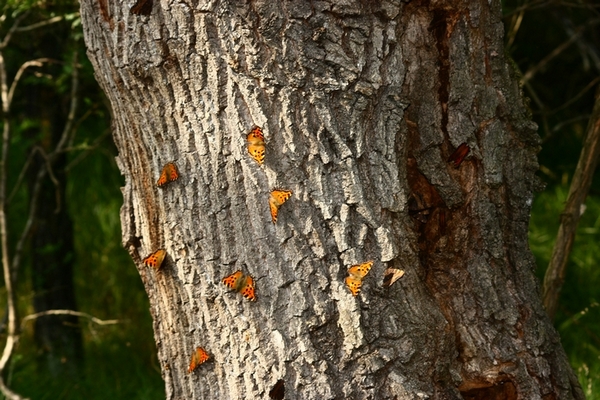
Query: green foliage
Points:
[561, 93]
[578, 315]
[120, 360]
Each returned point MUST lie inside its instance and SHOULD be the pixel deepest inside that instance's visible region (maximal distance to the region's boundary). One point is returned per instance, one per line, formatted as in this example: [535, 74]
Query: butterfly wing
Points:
[354, 284]
[459, 154]
[277, 198]
[280, 196]
[155, 259]
[278, 390]
[391, 275]
[360, 270]
[163, 179]
[172, 172]
[233, 281]
[356, 273]
[199, 356]
[247, 289]
[256, 144]
[169, 174]
[274, 208]
[142, 7]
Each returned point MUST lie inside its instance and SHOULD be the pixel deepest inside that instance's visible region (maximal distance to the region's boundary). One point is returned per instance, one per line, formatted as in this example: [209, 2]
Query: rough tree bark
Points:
[362, 104]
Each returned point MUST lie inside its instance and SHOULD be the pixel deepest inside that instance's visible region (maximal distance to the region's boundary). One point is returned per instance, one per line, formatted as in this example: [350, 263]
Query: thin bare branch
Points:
[72, 108]
[529, 6]
[79, 121]
[32, 63]
[12, 30]
[21, 177]
[12, 336]
[68, 129]
[48, 162]
[574, 37]
[35, 193]
[93, 319]
[89, 149]
[559, 127]
[42, 172]
[11, 342]
[40, 24]
[514, 28]
[532, 93]
[582, 179]
[542, 64]
[576, 97]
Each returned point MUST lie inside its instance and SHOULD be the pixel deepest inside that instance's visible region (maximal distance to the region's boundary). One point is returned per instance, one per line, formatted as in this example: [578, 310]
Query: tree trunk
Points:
[362, 105]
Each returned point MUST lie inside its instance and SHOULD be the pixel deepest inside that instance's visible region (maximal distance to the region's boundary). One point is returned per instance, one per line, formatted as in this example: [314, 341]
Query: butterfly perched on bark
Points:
[256, 144]
[459, 154]
[142, 7]
[200, 356]
[169, 174]
[241, 283]
[155, 259]
[391, 275]
[278, 390]
[277, 198]
[356, 273]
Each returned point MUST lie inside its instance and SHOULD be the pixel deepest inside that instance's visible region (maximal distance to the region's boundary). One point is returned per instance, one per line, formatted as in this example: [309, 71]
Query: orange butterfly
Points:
[155, 259]
[169, 174]
[459, 154]
[200, 356]
[256, 144]
[277, 198]
[356, 273]
[241, 283]
[391, 275]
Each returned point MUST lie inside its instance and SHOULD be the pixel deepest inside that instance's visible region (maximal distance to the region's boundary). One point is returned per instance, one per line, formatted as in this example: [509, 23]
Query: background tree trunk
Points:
[58, 336]
[361, 105]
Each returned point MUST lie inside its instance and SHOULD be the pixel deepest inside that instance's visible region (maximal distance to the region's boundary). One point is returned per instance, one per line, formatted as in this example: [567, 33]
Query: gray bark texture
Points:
[362, 103]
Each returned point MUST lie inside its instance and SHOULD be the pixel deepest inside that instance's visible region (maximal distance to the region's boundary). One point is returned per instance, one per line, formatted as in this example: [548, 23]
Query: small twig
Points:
[72, 108]
[12, 30]
[93, 319]
[21, 176]
[76, 127]
[562, 124]
[90, 148]
[40, 24]
[35, 193]
[540, 105]
[48, 162]
[542, 64]
[528, 7]
[32, 63]
[576, 97]
[580, 185]
[12, 336]
[68, 129]
[512, 34]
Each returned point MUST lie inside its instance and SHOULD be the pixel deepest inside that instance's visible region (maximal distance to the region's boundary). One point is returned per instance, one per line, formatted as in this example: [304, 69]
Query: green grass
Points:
[578, 314]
